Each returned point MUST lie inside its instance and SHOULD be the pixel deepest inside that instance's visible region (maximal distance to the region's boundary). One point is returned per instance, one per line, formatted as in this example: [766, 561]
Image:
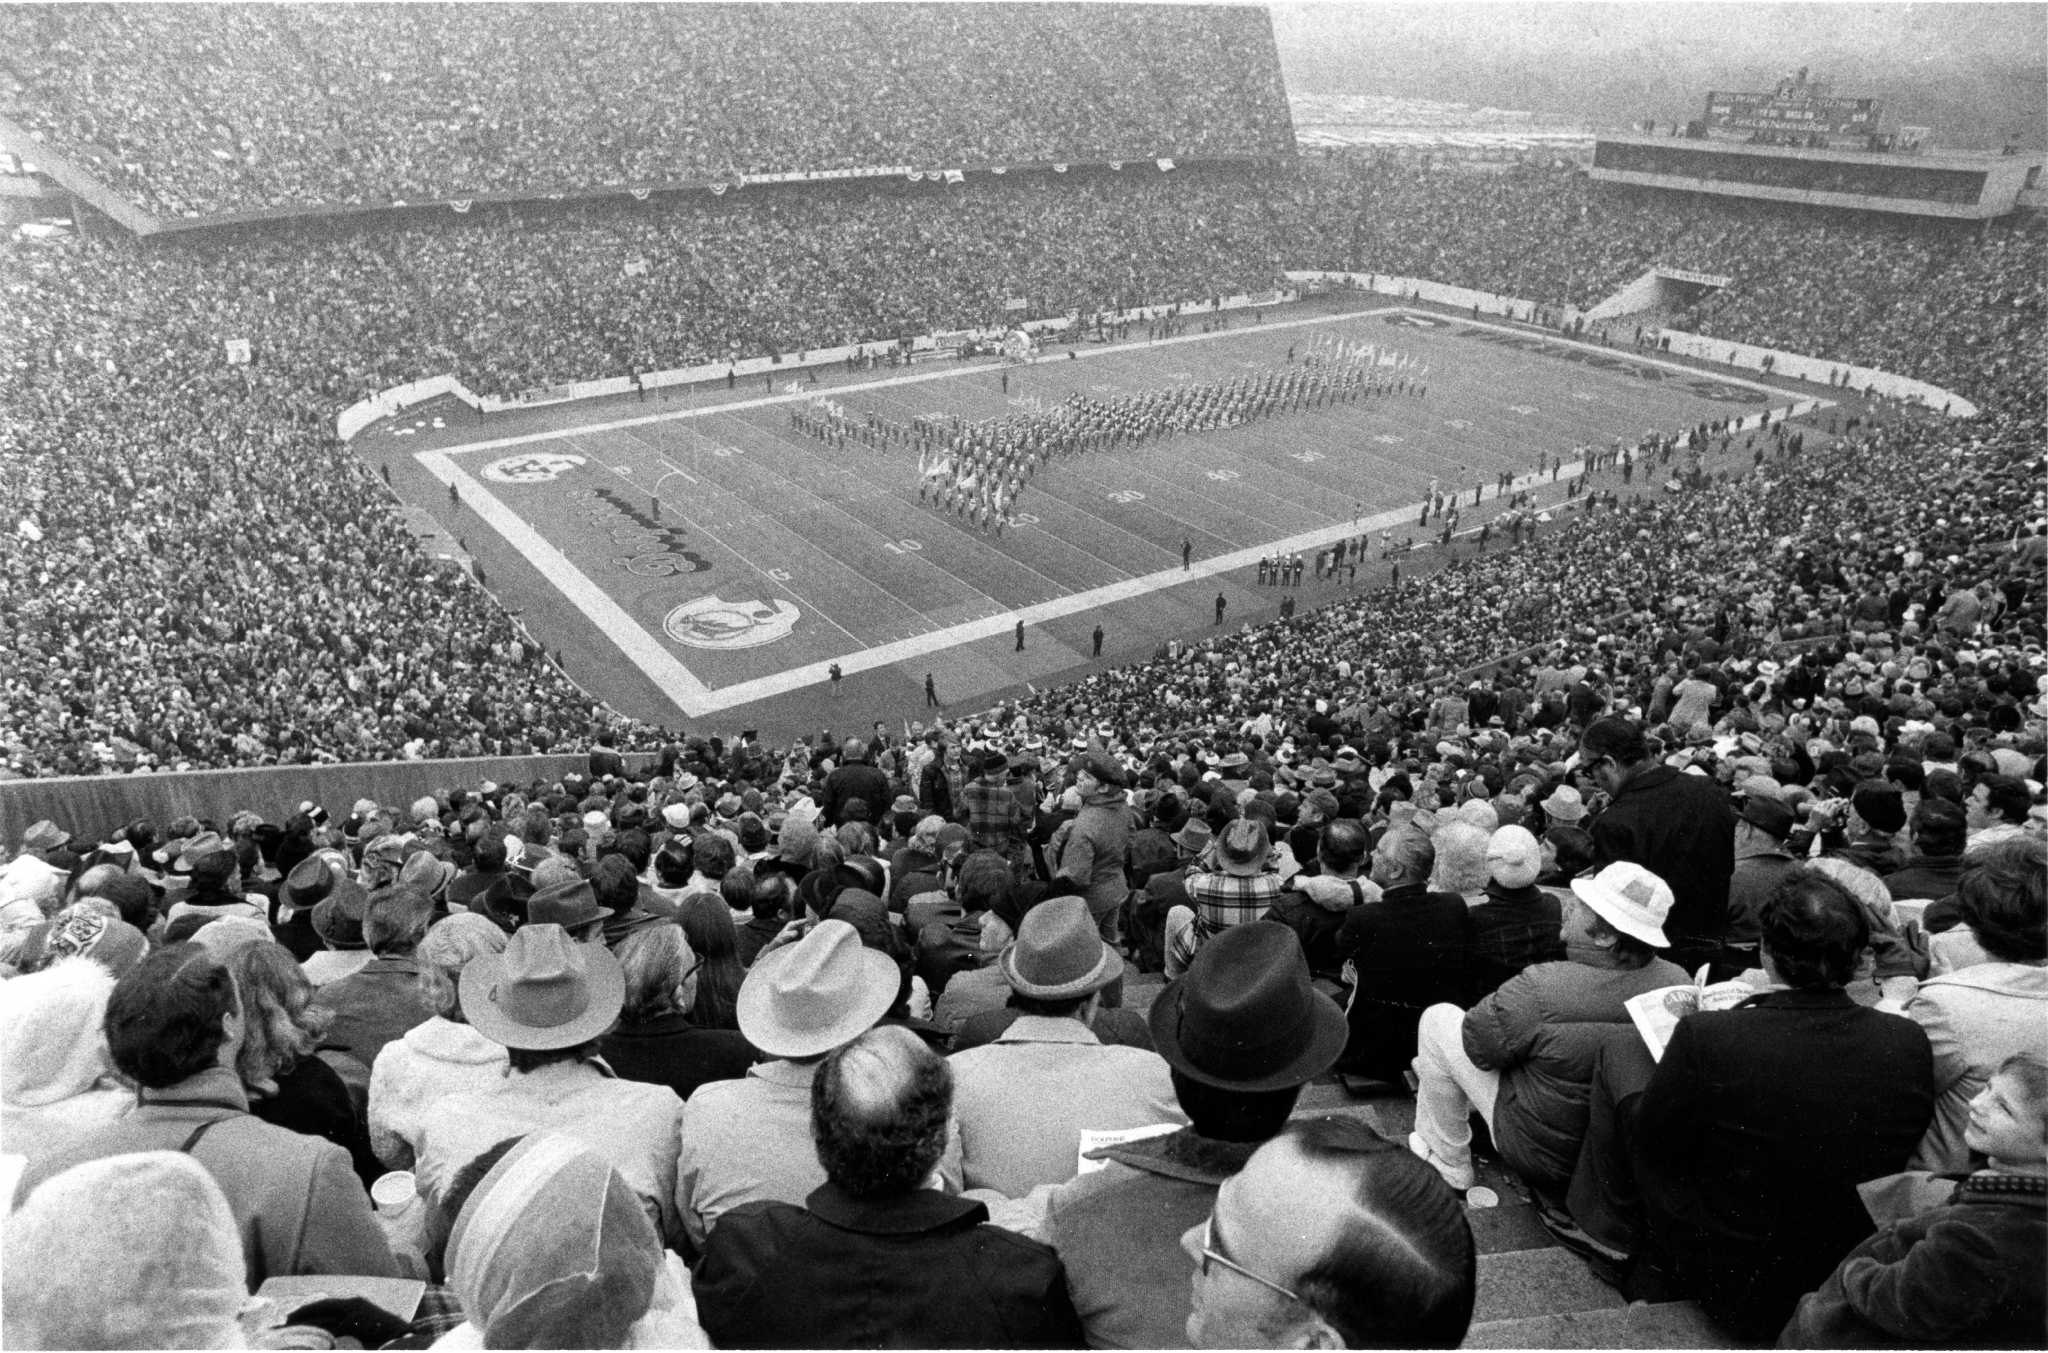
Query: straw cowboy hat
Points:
[545, 991]
[810, 997]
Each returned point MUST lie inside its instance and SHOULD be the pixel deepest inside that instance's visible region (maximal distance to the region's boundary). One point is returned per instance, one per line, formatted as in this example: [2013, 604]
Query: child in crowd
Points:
[1965, 1274]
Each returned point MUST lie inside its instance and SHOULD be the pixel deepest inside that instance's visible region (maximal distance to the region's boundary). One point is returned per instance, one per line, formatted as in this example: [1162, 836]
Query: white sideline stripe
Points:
[695, 699]
[642, 648]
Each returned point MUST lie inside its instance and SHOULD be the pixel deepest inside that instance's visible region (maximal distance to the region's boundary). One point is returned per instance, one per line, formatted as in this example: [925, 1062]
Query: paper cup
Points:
[394, 1191]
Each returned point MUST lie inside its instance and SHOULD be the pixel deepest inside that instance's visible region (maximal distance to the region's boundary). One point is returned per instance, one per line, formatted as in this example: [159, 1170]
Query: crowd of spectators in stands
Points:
[218, 111]
[626, 1059]
[501, 991]
[145, 467]
[1912, 297]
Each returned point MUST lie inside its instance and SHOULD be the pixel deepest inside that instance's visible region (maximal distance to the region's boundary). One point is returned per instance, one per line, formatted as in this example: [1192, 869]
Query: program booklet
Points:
[1656, 1013]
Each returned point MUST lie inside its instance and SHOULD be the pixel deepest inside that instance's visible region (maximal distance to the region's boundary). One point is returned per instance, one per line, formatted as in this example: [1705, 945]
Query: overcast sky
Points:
[1971, 71]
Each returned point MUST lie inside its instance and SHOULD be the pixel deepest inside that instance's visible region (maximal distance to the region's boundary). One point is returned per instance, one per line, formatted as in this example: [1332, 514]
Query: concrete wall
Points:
[93, 806]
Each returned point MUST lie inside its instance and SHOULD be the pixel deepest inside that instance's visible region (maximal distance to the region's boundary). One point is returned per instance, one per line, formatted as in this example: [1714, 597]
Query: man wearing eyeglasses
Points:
[1679, 827]
[1332, 1237]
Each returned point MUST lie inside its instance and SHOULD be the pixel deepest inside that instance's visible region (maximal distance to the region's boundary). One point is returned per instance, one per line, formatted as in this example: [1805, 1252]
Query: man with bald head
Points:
[1332, 1237]
[876, 1256]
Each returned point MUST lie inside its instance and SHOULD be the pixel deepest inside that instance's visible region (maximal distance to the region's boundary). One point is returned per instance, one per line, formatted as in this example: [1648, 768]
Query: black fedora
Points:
[504, 902]
[1246, 1016]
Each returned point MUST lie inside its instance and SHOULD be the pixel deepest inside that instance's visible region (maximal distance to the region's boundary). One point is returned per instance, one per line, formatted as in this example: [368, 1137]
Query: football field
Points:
[717, 557]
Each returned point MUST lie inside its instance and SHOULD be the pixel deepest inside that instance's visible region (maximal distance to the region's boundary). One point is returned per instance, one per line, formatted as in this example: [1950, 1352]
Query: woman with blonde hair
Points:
[442, 1055]
[278, 1062]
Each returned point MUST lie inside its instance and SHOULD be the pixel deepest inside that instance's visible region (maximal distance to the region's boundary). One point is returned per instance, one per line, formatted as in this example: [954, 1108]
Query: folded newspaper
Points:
[1656, 1013]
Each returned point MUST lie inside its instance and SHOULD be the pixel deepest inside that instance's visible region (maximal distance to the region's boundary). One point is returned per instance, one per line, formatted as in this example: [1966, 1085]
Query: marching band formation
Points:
[977, 470]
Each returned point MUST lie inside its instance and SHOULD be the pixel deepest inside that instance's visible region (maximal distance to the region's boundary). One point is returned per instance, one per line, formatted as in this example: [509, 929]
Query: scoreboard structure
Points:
[1800, 143]
[1799, 112]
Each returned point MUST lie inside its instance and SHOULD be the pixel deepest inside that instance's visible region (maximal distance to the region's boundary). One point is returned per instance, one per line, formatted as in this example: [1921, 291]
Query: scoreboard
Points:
[1794, 112]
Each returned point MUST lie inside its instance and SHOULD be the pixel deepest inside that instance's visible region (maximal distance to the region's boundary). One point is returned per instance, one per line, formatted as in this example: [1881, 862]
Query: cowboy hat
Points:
[504, 903]
[1564, 806]
[1243, 847]
[338, 919]
[201, 847]
[545, 991]
[810, 997]
[571, 904]
[427, 872]
[1058, 953]
[1192, 839]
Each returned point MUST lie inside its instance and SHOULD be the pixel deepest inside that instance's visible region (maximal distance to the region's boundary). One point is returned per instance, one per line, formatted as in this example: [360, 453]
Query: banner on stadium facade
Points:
[999, 169]
[1164, 164]
[1116, 164]
[239, 353]
[955, 176]
[718, 189]
[1014, 303]
[462, 205]
[1059, 169]
[639, 194]
[1705, 279]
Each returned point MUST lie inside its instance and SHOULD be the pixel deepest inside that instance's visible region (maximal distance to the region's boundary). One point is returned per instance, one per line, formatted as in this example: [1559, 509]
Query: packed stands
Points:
[1818, 663]
[112, 356]
[223, 110]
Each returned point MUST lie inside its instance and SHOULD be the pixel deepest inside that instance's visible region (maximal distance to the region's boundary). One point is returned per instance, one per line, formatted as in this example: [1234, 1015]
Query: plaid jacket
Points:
[1221, 901]
[995, 820]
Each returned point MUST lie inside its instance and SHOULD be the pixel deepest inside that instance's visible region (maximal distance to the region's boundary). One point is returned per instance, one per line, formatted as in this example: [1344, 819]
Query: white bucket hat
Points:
[1630, 898]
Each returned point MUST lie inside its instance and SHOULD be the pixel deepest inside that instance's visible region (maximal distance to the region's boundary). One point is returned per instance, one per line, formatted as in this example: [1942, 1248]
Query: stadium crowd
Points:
[208, 112]
[625, 1059]
[114, 355]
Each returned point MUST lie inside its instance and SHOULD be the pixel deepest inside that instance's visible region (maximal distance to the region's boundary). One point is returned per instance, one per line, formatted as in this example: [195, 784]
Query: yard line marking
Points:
[643, 649]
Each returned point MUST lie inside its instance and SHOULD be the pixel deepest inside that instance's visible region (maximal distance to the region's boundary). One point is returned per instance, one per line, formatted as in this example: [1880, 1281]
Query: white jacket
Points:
[432, 1061]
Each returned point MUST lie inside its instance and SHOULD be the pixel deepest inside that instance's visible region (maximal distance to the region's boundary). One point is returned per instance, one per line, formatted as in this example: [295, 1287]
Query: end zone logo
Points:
[709, 622]
[539, 468]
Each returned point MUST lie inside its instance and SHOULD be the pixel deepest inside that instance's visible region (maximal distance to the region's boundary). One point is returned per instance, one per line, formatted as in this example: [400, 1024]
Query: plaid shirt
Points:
[1221, 901]
[995, 820]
